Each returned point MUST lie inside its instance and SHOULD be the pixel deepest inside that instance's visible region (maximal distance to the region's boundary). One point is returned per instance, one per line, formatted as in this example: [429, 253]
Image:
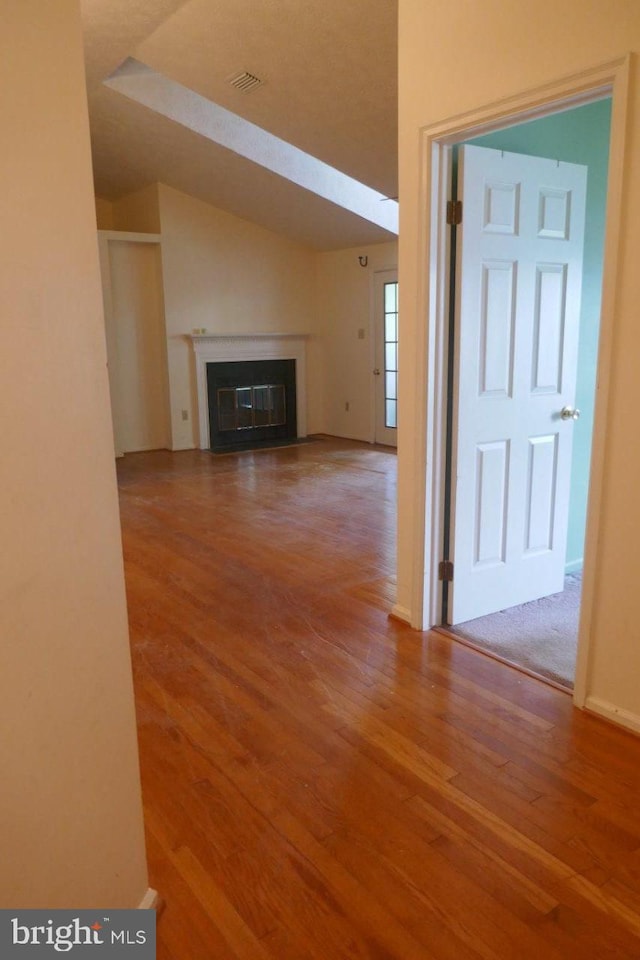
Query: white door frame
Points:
[436, 142]
[105, 237]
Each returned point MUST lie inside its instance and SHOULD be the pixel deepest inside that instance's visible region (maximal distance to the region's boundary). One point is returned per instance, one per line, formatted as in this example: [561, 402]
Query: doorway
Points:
[385, 301]
[540, 635]
[427, 429]
[131, 270]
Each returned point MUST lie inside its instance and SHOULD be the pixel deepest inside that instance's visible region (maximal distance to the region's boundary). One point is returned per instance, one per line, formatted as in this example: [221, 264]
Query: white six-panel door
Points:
[519, 269]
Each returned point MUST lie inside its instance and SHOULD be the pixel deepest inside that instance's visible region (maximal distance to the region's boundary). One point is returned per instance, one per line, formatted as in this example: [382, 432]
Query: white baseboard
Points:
[401, 613]
[624, 718]
[150, 901]
[574, 566]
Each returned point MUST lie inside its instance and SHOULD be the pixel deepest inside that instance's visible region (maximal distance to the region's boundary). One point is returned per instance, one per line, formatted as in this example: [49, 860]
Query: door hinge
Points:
[454, 212]
[445, 570]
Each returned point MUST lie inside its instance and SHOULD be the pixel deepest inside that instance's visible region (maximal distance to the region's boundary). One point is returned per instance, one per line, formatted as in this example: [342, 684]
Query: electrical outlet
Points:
[185, 414]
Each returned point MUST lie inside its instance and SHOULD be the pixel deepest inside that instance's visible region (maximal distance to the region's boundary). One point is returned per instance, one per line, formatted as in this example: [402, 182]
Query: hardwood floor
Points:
[322, 782]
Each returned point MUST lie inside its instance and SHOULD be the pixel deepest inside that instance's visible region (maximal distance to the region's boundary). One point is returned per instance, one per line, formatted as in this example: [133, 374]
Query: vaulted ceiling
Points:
[328, 71]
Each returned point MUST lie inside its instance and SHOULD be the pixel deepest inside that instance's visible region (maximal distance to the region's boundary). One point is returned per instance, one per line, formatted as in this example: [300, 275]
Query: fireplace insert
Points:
[252, 403]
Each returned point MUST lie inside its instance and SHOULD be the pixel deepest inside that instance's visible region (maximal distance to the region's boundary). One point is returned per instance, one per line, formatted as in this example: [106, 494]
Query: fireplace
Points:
[251, 403]
[251, 389]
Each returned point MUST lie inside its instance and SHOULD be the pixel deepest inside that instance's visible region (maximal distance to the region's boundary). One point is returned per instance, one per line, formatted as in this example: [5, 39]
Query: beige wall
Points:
[138, 212]
[344, 297]
[562, 37]
[225, 274]
[104, 214]
[70, 813]
[228, 275]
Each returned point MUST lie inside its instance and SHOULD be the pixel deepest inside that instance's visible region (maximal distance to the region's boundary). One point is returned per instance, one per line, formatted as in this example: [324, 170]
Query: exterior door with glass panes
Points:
[386, 356]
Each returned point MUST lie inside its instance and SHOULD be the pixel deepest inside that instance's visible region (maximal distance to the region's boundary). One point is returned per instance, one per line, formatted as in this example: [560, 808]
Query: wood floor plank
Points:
[186, 928]
[322, 782]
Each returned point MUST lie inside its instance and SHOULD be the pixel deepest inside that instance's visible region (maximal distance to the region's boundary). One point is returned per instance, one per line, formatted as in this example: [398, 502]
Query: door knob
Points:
[569, 413]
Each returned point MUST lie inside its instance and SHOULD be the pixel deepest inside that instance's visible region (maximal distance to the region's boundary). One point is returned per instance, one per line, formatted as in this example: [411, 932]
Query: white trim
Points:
[111, 341]
[150, 901]
[563, 94]
[611, 78]
[430, 399]
[615, 185]
[609, 711]
[130, 237]
[439, 305]
[574, 567]
[228, 347]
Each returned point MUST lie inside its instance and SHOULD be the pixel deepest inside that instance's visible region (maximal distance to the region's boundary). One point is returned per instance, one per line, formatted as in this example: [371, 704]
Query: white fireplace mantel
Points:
[227, 347]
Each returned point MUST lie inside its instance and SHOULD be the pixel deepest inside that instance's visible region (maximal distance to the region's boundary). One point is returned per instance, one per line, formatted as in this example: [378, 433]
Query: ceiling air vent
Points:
[245, 82]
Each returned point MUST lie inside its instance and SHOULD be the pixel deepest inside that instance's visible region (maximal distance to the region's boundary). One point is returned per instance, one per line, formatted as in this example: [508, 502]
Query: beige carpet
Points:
[541, 636]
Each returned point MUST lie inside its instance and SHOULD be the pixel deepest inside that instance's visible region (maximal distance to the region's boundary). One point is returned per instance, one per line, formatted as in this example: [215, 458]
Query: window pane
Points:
[391, 327]
[390, 386]
[390, 356]
[390, 420]
[391, 298]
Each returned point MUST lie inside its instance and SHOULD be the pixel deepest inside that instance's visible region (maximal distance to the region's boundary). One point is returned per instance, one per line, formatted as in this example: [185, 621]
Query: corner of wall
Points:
[104, 213]
[138, 212]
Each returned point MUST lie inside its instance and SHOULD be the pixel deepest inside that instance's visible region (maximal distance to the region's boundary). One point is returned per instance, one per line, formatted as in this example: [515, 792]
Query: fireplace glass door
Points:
[251, 403]
[245, 408]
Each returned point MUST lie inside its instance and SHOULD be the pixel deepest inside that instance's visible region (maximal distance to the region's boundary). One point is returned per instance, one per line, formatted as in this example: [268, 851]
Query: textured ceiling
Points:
[329, 72]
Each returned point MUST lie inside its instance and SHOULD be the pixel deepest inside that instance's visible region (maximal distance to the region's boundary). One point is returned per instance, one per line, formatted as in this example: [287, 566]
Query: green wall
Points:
[577, 136]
